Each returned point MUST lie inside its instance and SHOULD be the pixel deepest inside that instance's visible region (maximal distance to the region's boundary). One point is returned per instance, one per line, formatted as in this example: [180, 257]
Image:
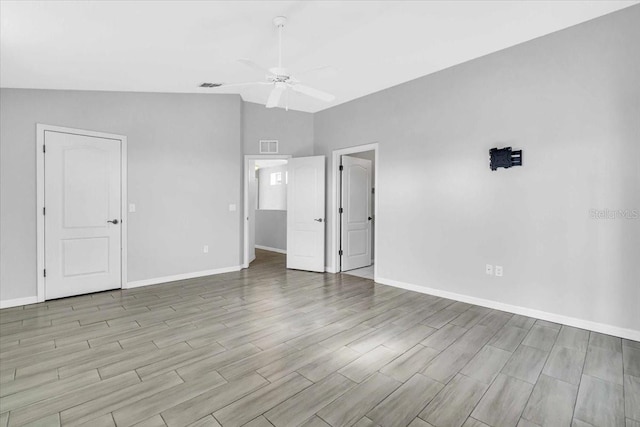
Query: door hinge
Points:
[44, 149]
[341, 168]
[340, 210]
[373, 191]
[340, 252]
[44, 211]
[45, 272]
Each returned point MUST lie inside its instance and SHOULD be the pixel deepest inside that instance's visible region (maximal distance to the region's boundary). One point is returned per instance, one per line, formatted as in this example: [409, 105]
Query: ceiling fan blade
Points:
[274, 96]
[314, 93]
[328, 70]
[249, 63]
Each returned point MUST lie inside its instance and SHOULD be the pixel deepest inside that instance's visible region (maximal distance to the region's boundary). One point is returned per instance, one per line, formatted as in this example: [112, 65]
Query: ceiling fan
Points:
[279, 77]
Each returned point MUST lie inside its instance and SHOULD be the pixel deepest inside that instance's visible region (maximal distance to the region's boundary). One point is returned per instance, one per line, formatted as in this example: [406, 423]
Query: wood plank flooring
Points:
[271, 347]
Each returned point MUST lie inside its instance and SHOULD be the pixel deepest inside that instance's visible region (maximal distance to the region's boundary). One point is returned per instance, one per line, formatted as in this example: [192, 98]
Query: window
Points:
[275, 178]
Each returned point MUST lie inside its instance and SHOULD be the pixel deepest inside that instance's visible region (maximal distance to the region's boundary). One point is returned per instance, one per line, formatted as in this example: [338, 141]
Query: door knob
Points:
[115, 221]
[318, 219]
[370, 218]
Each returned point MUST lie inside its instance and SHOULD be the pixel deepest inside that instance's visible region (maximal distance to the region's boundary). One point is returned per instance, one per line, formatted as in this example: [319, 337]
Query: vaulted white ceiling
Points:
[173, 46]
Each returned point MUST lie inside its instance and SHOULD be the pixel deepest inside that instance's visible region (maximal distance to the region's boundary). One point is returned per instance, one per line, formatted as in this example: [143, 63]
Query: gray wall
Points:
[293, 129]
[184, 170]
[271, 229]
[271, 217]
[571, 101]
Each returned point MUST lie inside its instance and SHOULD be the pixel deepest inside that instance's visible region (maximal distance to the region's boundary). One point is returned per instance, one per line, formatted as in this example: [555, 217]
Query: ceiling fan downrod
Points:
[279, 22]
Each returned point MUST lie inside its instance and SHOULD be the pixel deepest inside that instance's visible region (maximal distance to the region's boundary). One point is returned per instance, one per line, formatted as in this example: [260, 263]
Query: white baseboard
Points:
[551, 317]
[330, 269]
[165, 279]
[267, 248]
[18, 301]
[246, 264]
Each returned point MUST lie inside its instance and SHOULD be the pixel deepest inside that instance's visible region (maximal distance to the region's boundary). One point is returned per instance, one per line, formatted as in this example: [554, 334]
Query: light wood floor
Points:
[266, 346]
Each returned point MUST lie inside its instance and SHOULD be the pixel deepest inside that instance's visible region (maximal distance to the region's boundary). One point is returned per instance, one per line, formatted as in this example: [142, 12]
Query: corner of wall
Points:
[241, 186]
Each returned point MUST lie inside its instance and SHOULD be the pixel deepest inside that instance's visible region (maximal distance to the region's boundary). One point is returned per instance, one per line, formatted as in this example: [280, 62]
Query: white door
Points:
[305, 214]
[82, 196]
[356, 213]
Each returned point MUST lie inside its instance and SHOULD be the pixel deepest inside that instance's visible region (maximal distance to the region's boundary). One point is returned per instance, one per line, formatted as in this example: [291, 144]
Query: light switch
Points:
[132, 207]
[232, 208]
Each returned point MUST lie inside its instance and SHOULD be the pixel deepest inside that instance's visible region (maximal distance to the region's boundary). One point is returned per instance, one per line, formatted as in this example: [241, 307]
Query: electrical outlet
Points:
[499, 270]
[489, 269]
[132, 207]
[205, 249]
[232, 208]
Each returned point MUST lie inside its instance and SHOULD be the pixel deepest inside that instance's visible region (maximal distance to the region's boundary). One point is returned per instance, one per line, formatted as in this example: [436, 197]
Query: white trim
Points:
[245, 219]
[40, 199]
[18, 301]
[328, 269]
[124, 211]
[333, 215]
[538, 314]
[39, 217]
[165, 279]
[267, 248]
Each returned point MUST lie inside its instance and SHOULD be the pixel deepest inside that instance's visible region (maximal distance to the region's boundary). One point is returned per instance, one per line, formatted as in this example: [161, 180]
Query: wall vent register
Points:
[268, 146]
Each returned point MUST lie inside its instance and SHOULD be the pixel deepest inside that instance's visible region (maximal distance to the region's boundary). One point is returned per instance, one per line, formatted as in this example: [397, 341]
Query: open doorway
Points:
[357, 234]
[296, 189]
[265, 205]
[355, 230]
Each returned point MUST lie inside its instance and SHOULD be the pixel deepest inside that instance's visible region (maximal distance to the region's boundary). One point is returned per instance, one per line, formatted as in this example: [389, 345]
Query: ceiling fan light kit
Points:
[279, 77]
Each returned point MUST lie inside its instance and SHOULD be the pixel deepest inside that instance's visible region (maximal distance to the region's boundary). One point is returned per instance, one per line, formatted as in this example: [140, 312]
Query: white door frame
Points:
[40, 177]
[334, 215]
[245, 210]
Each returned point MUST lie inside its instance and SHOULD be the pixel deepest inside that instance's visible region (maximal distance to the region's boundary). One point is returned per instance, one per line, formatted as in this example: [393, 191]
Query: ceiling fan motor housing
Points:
[280, 72]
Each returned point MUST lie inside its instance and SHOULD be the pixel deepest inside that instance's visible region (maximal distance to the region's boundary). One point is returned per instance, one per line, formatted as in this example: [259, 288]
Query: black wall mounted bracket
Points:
[504, 158]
